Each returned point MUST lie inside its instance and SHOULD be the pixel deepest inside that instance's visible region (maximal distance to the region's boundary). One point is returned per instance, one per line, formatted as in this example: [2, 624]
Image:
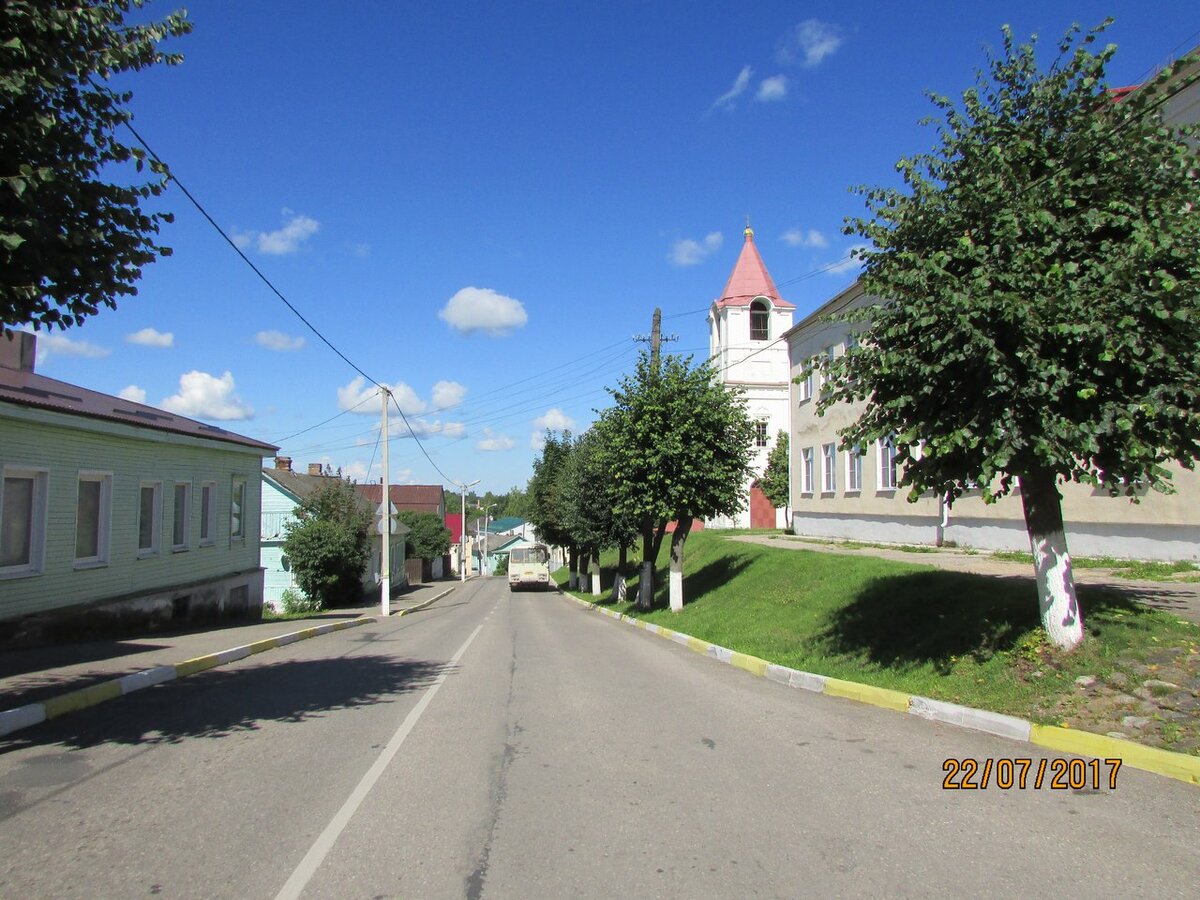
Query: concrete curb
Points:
[1080, 743]
[35, 713]
[420, 606]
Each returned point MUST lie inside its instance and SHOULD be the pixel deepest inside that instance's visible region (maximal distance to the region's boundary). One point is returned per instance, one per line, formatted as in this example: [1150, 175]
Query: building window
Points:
[149, 518]
[760, 434]
[829, 468]
[22, 521]
[93, 519]
[237, 510]
[854, 468]
[887, 463]
[806, 471]
[181, 527]
[760, 319]
[208, 512]
[806, 386]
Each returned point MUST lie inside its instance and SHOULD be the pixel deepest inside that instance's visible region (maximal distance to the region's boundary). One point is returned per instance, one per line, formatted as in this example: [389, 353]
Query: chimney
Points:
[283, 463]
[316, 469]
[17, 351]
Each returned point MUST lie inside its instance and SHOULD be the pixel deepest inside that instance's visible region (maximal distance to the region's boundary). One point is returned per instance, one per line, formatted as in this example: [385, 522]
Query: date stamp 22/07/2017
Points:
[1007, 773]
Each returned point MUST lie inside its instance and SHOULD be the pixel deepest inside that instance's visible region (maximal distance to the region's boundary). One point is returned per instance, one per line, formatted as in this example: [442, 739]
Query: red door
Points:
[762, 513]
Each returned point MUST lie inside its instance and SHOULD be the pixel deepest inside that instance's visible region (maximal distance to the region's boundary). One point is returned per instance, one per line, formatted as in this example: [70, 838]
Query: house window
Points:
[208, 512]
[237, 510]
[181, 527]
[93, 519]
[854, 468]
[149, 518]
[22, 521]
[806, 471]
[887, 463]
[829, 468]
[760, 434]
[760, 317]
[806, 386]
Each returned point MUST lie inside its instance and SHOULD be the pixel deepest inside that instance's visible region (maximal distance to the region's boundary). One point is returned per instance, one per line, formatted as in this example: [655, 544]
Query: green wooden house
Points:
[113, 510]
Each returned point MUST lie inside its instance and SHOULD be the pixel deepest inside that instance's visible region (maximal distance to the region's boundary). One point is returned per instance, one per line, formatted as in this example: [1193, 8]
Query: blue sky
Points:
[480, 204]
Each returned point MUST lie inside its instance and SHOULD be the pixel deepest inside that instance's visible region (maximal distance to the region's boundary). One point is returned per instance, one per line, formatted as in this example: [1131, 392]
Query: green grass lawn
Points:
[969, 639]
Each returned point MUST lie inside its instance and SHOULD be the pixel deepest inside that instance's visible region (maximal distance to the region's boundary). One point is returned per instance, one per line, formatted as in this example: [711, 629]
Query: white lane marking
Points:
[324, 843]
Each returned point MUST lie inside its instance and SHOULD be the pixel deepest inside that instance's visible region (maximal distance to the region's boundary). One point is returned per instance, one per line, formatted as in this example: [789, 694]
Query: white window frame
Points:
[806, 386]
[37, 519]
[806, 470]
[155, 520]
[240, 533]
[828, 468]
[208, 509]
[760, 308]
[103, 520]
[761, 433]
[854, 469]
[181, 545]
[887, 463]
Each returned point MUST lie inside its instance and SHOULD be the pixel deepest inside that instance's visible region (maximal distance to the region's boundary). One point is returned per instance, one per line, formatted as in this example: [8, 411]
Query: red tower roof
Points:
[750, 279]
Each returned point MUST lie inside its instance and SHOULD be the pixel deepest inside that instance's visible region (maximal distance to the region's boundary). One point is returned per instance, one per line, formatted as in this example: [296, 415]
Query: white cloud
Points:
[355, 471]
[688, 252]
[847, 265]
[366, 398]
[553, 419]
[447, 394]
[482, 309]
[773, 88]
[728, 100]
[133, 393]
[56, 345]
[494, 442]
[205, 396]
[277, 340]
[423, 427]
[295, 231]
[798, 237]
[810, 43]
[362, 251]
[149, 337]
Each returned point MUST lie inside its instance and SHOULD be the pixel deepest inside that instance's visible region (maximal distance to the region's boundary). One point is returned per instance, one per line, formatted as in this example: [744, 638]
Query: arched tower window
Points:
[760, 318]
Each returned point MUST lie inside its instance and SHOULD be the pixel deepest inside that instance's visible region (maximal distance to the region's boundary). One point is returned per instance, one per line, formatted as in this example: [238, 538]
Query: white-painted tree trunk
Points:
[618, 589]
[1056, 589]
[676, 586]
[595, 580]
[678, 538]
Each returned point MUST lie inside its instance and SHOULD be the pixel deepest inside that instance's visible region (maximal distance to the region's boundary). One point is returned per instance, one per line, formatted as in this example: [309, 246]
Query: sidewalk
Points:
[36, 674]
[1178, 597]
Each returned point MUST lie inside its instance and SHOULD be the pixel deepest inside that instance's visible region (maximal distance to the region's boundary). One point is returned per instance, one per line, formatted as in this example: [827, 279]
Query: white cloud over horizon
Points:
[553, 419]
[447, 394]
[296, 229]
[357, 396]
[132, 393]
[800, 237]
[772, 89]
[150, 337]
[482, 309]
[205, 396]
[810, 43]
[277, 340]
[492, 442]
[728, 100]
[49, 345]
[689, 252]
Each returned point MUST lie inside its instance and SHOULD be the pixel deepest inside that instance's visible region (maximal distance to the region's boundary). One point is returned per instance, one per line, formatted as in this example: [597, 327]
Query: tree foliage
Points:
[774, 480]
[327, 544]
[428, 536]
[72, 240]
[544, 508]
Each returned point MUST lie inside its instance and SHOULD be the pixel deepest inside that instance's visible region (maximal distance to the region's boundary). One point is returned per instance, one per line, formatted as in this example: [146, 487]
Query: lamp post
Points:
[462, 535]
[487, 519]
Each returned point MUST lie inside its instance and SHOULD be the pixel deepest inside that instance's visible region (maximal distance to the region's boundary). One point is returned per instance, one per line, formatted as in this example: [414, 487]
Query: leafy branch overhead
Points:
[71, 239]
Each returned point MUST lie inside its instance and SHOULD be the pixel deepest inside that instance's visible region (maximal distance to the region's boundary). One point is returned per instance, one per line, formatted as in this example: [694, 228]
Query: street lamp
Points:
[462, 546]
[487, 519]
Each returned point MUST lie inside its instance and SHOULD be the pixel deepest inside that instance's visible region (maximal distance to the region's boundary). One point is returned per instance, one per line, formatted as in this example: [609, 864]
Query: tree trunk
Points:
[618, 588]
[658, 539]
[1051, 561]
[573, 555]
[682, 527]
[594, 568]
[645, 598]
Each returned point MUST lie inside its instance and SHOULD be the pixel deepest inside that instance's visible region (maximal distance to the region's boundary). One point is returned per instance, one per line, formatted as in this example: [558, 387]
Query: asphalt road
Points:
[497, 746]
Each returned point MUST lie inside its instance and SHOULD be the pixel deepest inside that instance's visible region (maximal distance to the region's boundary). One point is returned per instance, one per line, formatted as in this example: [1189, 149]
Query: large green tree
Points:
[774, 480]
[544, 508]
[679, 445]
[73, 237]
[1041, 280]
[327, 544]
[428, 537]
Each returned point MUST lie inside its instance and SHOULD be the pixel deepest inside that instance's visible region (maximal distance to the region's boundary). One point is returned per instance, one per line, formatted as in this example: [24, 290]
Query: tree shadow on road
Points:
[225, 701]
[932, 617]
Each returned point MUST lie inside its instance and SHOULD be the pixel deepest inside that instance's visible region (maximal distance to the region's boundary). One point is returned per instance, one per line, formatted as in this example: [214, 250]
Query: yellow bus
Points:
[529, 567]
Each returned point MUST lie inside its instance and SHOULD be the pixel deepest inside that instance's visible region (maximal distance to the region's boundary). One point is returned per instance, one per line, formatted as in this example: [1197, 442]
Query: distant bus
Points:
[529, 567]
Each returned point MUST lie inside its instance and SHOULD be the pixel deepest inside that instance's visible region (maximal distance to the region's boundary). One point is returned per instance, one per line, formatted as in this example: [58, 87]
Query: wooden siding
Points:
[66, 445]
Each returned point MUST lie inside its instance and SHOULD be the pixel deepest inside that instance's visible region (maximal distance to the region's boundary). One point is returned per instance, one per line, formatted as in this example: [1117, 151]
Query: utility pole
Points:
[385, 593]
[462, 545]
[656, 338]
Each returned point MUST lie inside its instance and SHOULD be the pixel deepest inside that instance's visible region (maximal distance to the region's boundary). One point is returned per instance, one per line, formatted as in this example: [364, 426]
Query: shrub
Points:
[293, 603]
[327, 545]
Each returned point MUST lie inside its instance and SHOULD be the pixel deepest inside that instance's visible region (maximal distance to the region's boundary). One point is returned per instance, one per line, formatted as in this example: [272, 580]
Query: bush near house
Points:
[328, 546]
[428, 536]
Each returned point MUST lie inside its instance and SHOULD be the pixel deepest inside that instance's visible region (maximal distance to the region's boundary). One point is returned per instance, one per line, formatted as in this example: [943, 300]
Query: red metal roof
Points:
[414, 497]
[750, 279]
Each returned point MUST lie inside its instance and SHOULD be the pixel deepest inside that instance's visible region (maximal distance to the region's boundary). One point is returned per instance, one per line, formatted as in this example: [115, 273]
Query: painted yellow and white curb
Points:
[1065, 740]
[421, 606]
[35, 713]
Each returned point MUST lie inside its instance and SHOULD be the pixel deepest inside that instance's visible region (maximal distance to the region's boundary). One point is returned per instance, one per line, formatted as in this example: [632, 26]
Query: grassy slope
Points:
[969, 639]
